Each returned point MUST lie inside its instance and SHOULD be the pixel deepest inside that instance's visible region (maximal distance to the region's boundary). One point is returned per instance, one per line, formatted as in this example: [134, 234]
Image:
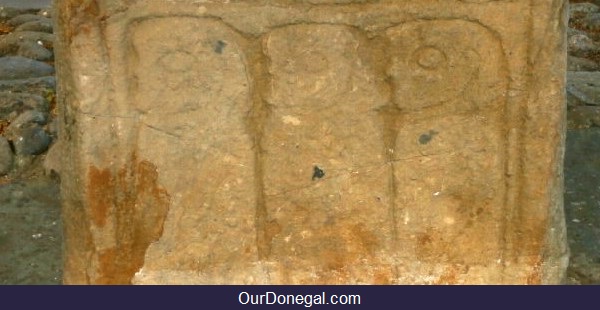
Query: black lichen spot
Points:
[317, 173]
[426, 137]
[11, 144]
[219, 46]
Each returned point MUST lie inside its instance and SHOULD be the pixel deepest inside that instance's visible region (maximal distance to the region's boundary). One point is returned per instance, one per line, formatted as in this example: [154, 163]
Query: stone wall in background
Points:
[312, 142]
[27, 89]
[583, 86]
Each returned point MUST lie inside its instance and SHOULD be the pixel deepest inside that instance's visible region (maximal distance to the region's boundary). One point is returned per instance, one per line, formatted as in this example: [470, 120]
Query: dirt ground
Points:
[30, 229]
[582, 205]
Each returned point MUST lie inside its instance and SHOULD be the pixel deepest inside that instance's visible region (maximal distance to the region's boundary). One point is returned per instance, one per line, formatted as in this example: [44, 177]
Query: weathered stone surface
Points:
[26, 133]
[34, 50]
[28, 117]
[323, 167]
[583, 88]
[581, 64]
[42, 25]
[35, 86]
[27, 44]
[6, 156]
[576, 9]
[201, 120]
[32, 140]
[304, 143]
[450, 78]
[24, 18]
[13, 104]
[9, 12]
[581, 45]
[17, 67]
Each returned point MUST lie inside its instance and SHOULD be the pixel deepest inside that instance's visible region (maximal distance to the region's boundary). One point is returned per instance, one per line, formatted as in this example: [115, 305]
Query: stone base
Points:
[312, 142]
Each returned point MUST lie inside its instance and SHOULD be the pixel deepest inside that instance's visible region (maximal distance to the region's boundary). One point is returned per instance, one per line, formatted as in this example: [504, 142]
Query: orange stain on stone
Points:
[106, 260]
[382, 278]
[451, 274]
[100, 194]
[345, 248]
[135, 205]
[535, 276]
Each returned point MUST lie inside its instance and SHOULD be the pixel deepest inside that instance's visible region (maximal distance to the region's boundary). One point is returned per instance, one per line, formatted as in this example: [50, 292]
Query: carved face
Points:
[442, 63]
[183, 70]
[182, 78]
[310, 63]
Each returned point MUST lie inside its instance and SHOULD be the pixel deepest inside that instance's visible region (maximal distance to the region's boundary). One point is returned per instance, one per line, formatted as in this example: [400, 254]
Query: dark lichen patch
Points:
[219, 46]
[426, 137]
[318, 173]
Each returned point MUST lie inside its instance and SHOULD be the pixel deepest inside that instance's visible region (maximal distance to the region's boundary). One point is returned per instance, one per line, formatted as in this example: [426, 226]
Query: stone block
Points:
[312, 142]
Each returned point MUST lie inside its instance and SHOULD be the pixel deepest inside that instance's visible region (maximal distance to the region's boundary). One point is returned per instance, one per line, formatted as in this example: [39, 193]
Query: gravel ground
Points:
[30, 231]
[582, 205]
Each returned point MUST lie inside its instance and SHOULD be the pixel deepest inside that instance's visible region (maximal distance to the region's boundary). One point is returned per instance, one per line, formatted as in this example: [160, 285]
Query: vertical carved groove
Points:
[258, 65]
[390, 116]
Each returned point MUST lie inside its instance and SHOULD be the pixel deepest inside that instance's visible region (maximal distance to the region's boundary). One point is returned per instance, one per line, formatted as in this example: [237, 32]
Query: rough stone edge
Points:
[549, 62]
[77, 240]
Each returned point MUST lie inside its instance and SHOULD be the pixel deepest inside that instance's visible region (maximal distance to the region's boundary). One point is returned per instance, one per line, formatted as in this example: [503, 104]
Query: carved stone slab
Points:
[312, 142]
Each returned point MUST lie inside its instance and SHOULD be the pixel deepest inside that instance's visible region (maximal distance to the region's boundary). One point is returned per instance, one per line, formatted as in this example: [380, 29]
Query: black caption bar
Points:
[298, 297]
